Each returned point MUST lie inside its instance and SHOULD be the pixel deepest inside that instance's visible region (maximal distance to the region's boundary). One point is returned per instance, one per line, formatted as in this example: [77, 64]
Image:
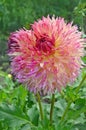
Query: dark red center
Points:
[44, 44]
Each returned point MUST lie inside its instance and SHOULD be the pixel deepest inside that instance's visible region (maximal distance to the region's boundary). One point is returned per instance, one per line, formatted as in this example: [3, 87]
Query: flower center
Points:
[45, 44]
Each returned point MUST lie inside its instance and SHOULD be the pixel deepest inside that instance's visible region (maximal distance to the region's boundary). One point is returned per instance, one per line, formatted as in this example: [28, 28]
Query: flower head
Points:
[47, 57]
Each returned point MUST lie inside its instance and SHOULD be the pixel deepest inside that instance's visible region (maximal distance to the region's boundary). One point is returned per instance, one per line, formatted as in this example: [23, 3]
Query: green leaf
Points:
[33, 115]
[13, 116]
[62, 127]
[78, 108]
[26, 127]
[59, 107]
[81, 126]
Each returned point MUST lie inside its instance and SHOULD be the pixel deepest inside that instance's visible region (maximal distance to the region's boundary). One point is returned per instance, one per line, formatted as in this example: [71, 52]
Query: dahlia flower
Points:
[47, 57]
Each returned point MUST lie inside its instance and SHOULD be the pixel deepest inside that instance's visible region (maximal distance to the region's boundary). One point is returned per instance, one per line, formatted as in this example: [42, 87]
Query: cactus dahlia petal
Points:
[47, 57]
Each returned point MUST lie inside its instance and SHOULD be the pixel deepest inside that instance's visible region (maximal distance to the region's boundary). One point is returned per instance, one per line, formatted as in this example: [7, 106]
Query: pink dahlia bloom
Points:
[47, 57]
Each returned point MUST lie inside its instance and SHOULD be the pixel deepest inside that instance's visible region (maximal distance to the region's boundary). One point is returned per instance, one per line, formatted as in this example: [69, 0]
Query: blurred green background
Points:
[16, 14]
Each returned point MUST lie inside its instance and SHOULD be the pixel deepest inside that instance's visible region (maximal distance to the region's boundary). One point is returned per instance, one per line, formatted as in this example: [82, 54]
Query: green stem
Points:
[80, 85]
[52, 108]
[40, 105]
[69, 103]
[66, 110]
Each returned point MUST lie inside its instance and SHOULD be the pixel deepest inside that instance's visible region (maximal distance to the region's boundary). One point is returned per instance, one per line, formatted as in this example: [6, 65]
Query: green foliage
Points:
[13, 115]
[16, 14]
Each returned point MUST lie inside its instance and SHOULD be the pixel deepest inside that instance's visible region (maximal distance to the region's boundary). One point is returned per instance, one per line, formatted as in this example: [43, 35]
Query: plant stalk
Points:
[80, 85]
[52, 108]
[66, 110]
[69, 103]
[40, 105]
